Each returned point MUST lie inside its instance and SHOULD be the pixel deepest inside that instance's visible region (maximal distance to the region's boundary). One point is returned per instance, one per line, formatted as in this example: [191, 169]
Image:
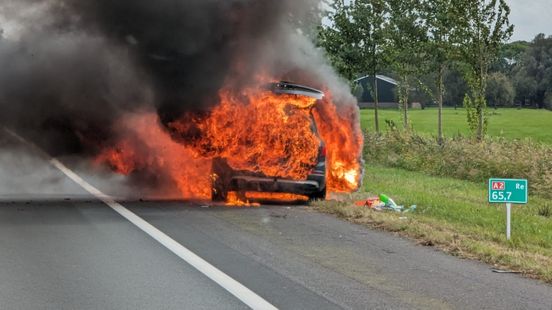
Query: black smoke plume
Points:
[70, 68]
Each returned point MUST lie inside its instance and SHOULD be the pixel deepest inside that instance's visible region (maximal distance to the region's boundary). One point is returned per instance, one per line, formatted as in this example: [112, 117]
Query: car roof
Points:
[296, 89]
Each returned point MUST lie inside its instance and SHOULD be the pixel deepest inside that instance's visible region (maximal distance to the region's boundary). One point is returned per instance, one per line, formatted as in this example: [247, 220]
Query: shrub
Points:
[464, 158]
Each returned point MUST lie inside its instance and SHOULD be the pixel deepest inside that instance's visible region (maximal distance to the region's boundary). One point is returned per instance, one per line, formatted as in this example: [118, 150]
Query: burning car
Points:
[177, 103]
[227, 179]
[277, 141]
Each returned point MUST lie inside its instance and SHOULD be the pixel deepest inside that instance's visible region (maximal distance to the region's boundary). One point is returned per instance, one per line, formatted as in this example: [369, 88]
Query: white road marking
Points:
[237, 289]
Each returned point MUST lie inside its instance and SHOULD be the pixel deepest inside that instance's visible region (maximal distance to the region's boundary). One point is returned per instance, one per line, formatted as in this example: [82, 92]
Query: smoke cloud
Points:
[74, 65]
[70, 68]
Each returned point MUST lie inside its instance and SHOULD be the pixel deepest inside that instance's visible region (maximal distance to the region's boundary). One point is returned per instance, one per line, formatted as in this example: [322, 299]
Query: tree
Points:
[525, 86]
[500, 90]
[355, 38]
[439, 17]
[508, 56]
[370, 18]
[340, 40]
[455, 86]
[483, 26]
[406, 35]
[532, 74]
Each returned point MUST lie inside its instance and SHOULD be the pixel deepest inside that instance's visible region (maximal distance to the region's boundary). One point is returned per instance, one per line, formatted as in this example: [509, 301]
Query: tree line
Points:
[427, 45]
[520, 77]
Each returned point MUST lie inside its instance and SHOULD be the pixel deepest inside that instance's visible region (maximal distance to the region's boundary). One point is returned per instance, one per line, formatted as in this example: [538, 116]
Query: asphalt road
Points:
[61, 248]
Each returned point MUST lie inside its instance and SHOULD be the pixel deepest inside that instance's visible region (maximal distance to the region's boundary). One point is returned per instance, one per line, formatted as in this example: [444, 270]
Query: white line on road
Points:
[237, 289]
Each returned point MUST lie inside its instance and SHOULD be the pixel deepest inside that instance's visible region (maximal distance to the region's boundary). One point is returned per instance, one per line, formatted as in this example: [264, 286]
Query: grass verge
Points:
[454, 216]
[463, 158]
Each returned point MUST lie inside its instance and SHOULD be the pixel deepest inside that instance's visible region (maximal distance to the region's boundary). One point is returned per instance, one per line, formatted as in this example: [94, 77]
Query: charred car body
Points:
[226, 179]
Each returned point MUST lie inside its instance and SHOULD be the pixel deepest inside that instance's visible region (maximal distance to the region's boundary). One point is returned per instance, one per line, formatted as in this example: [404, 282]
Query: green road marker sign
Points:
[508, 191]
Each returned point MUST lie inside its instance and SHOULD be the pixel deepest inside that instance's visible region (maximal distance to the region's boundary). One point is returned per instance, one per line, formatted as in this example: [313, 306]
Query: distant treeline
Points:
[520, 77]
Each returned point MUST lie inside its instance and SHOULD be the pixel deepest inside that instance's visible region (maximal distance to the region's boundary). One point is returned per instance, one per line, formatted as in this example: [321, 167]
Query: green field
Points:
[508, 123]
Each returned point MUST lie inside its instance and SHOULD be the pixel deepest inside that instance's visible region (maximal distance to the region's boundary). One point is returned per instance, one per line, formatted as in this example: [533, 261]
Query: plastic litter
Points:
[369, 202]
[384, 202]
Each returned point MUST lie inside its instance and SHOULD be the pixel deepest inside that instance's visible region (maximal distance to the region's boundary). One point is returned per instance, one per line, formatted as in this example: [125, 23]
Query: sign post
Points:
[508, 191]
[508, 220]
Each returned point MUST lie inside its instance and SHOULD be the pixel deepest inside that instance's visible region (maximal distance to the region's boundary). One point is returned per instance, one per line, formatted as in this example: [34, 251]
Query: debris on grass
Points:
[382, 203]
[370, 202]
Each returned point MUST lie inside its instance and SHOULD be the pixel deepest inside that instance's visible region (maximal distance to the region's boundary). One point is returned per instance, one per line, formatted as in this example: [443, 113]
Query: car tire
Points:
[320, 195]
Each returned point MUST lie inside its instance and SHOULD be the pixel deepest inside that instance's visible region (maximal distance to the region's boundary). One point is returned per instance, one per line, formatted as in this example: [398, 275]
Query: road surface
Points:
[63, 248]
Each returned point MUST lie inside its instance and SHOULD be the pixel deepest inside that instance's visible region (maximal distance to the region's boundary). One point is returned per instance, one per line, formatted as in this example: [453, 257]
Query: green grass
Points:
[455, 216]
[508, 123]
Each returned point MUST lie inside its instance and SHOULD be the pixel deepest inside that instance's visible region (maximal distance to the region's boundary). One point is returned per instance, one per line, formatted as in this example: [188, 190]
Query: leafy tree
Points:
[340, 39]
[370, 18]
[423, 89]
[532, 75]
[500, 90]
[439, 18]
[525, 85]
[355, 38]
[455, 86]
[406, 35]
[508, 56]
[483, 26]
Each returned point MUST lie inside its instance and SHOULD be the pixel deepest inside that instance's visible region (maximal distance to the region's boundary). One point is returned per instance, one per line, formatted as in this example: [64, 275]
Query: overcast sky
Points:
[530, 17]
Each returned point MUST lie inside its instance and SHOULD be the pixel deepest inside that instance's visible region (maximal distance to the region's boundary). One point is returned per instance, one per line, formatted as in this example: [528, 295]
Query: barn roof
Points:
[380, 77]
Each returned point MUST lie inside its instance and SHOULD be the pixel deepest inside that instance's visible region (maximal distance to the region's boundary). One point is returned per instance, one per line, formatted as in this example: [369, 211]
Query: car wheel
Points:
[320, 195]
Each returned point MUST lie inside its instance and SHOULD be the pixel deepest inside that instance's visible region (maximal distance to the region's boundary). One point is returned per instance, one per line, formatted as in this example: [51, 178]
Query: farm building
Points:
[386, 92]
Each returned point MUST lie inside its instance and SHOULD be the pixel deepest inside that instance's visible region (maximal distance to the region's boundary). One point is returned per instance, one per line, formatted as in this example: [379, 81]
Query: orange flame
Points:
[275, 196]
[234, 200]
[255, 130]
[340, 129]
[146, 146]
